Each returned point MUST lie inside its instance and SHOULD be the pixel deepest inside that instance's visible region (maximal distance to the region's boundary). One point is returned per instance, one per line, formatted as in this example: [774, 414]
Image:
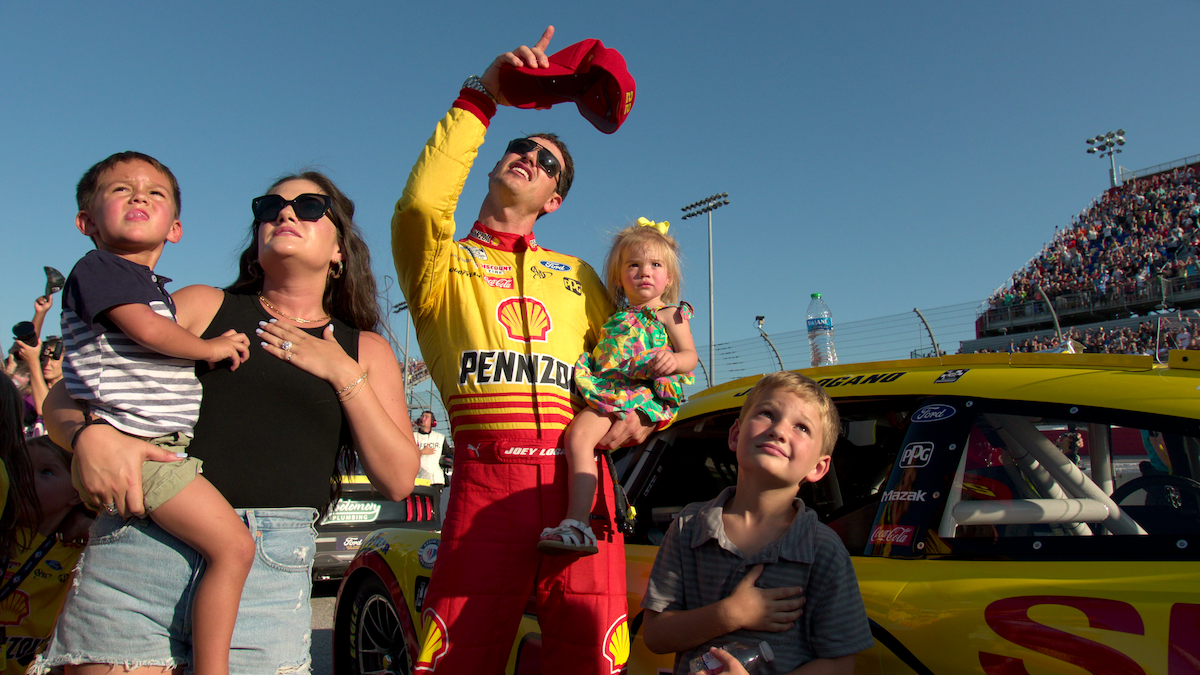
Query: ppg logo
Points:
[916, 455]
[933, 413]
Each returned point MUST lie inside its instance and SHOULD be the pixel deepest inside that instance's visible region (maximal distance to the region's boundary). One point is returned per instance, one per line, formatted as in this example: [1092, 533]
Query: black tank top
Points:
[268, 432]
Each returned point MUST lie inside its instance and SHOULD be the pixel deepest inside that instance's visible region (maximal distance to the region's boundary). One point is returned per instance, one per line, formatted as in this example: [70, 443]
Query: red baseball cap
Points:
[587, 72]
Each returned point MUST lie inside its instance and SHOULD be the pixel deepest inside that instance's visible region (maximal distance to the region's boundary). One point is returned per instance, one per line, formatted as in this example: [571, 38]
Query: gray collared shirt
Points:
[698, 565]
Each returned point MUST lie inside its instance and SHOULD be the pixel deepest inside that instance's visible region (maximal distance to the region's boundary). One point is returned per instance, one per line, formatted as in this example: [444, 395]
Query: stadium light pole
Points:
[708, 205]
[1108, 145]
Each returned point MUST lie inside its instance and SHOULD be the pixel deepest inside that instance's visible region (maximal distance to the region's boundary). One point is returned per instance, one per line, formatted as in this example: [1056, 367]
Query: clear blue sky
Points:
[889, 155]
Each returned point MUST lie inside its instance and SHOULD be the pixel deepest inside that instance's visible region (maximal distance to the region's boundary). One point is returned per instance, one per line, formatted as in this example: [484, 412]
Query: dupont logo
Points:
[916, 455]
[934, 413]
[556, 266]
[892, 534]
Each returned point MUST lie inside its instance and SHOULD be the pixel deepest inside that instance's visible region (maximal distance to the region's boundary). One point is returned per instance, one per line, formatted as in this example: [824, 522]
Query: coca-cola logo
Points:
[892, 534]
[934, 413]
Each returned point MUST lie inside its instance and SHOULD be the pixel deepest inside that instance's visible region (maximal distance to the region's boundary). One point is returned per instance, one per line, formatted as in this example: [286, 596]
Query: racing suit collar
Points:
[502, 241]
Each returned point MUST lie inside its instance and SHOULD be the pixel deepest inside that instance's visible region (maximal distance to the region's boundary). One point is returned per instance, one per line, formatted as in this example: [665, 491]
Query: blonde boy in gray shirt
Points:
[754, 564]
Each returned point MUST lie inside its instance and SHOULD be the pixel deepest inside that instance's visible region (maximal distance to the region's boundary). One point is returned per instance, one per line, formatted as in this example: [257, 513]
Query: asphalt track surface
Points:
[322, 627]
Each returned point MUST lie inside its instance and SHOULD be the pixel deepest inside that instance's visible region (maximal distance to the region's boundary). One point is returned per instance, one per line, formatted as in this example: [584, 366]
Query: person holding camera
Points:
[44, 360]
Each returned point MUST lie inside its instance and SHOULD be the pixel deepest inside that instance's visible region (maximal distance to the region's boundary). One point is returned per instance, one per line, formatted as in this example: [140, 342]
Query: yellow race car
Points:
[1006, 514]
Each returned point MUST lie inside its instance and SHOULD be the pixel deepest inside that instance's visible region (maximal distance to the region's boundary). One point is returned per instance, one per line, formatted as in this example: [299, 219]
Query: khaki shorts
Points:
[160, 480]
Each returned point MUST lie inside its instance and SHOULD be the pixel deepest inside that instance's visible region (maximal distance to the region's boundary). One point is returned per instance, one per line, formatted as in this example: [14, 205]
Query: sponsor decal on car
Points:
[420, 589]
[903, 496]
[951, 376]
[892, 534]
[934, 413]
[555, 265]
[427, 554]
[379, 543]
[346, 511]
[847, 380]
[916, 455]
[349, 543]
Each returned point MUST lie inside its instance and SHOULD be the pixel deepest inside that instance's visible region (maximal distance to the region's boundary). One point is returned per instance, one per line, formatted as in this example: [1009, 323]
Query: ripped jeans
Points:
[131, 600]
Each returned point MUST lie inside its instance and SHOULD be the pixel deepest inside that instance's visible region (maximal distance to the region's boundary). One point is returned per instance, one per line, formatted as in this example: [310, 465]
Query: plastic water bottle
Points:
[820, 332]
[749, 656]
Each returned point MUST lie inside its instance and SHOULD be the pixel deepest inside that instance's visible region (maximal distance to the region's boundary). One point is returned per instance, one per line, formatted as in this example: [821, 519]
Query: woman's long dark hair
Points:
[21, 507]
[350, 298]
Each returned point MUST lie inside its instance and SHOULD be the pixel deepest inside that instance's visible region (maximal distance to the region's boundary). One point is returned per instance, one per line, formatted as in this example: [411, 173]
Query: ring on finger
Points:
[111, 508]
[286, 346]
[289, 356]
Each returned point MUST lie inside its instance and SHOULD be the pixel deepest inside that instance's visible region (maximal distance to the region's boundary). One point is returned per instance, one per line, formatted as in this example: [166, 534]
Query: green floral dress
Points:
[616, 377]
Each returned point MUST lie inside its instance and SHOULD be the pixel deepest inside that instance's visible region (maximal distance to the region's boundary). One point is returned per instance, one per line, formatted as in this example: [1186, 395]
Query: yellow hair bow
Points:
[661, 227]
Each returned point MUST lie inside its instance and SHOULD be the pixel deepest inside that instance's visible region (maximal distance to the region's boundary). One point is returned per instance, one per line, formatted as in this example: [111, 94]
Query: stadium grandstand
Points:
[1132, 253]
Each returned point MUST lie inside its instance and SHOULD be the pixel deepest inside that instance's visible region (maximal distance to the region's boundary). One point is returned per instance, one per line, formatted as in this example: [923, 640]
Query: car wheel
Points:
[376, 640]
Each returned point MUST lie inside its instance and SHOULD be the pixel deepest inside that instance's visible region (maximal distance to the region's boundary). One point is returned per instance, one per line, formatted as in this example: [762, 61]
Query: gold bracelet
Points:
[352, 394]
[352, 384]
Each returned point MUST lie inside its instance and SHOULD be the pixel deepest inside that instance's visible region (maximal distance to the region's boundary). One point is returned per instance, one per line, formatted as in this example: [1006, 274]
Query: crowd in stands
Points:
[1149, 337]
[1133, 235]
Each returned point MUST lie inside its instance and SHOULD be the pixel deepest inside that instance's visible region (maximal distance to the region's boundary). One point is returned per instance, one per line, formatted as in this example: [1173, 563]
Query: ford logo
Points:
[556, 266]
[933, 413]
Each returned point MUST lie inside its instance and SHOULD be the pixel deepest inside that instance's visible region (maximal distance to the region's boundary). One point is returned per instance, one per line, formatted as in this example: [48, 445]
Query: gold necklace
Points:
[275, 309]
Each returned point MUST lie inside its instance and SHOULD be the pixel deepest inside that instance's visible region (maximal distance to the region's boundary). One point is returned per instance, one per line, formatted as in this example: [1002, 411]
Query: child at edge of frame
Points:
[118, 319]
[754, 564]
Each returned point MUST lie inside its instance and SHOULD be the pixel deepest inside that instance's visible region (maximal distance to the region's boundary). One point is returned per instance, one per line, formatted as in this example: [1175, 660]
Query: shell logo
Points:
[525, 319]
[14, 609]
[436, 642]
[616, 645]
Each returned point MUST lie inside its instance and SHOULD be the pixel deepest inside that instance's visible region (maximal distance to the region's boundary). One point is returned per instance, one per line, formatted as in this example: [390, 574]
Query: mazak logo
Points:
[892, 534]
[903, 496]
[435, 645]
[916, 455]
[573, 285]
[525, 319]
[556, 266]
[934, 413]
[496, 269]
[499, 282]
[427, 555]
[616, 645]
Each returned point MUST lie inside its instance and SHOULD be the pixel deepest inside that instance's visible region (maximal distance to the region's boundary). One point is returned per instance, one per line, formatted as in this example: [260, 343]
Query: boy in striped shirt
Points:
[754, 565]
[132, 367]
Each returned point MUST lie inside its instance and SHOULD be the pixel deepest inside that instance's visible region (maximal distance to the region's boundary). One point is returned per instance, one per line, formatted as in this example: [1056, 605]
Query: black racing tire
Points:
[372, 639]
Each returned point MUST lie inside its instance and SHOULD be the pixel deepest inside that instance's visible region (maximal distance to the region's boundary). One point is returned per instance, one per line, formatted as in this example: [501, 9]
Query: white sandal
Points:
[570, 537]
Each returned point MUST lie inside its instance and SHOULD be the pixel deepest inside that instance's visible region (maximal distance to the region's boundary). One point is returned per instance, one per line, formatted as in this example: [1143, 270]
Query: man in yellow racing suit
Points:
[501, 322]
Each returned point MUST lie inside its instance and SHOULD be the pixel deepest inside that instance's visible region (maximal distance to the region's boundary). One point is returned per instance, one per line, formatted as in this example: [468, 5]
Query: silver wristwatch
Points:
[473, 82]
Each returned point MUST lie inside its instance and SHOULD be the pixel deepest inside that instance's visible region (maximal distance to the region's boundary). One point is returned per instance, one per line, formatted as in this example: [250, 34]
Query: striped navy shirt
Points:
[137, 390]
[697, 565]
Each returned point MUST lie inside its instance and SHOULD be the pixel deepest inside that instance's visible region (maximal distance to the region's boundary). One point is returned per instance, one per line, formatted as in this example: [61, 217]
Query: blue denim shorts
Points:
[131, 603]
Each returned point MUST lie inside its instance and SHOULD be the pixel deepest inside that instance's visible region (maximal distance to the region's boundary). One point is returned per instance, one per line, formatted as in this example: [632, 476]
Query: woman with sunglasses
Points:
[319, 388]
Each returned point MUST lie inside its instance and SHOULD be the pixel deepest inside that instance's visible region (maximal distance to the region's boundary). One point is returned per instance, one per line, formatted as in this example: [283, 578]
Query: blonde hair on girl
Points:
[639, 238]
